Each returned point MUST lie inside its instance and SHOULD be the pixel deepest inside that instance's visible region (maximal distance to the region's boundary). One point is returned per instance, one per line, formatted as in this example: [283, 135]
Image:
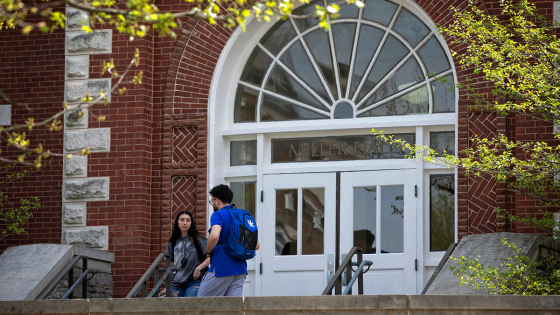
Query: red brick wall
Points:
[32, 71]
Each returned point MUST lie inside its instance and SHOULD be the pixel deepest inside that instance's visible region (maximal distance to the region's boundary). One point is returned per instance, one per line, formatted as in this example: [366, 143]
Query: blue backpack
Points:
[243, 235]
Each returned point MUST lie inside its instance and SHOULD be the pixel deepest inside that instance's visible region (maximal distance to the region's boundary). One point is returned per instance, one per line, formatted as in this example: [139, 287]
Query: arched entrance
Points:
[291, 111]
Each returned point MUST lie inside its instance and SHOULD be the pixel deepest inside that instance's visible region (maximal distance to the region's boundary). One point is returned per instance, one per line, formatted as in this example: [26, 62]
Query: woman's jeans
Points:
[191, 290]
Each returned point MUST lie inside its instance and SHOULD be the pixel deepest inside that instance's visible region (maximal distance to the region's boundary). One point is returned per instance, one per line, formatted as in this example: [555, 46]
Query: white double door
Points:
[377, 213]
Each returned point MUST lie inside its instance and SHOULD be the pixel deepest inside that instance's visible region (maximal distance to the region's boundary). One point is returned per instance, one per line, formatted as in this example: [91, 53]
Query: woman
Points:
[186, 247]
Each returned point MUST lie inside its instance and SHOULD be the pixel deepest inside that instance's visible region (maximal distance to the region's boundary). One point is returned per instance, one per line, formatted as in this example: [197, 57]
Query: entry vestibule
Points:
[290, 129]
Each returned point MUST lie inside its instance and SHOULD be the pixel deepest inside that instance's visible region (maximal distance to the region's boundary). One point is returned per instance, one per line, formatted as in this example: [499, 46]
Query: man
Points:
[226, 274]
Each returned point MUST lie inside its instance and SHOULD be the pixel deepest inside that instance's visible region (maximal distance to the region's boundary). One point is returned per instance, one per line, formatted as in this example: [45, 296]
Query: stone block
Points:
[75, 91]
[556, 12]
[97, 140]
[75, 19]
[85, 189]
[76, 166]
[87, 236]
[74, 214]
[73, 120]
[5, 115]
[77, 67]
[82, 43]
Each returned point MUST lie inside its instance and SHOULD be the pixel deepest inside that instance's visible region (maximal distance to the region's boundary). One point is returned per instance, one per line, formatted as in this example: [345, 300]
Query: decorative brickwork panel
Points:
[184, 195]
[184, 144]
[483, 190]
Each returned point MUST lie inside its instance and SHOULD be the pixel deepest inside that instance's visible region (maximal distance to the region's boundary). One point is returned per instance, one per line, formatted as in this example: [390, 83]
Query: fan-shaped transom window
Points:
[378, 61]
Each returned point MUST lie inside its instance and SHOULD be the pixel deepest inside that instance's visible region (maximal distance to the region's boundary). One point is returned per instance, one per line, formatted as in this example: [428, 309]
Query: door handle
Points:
[330, 274]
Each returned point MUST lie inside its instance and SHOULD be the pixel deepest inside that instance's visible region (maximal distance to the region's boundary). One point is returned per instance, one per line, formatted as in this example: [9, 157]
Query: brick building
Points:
[282, 113]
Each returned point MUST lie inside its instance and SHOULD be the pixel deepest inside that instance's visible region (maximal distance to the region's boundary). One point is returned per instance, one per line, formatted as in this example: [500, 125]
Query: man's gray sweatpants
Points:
[221, 286]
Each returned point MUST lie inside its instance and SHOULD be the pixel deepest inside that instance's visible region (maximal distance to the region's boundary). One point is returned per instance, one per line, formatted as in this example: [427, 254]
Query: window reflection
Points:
[297, 60]
[243, 153]
[283, 84]
[379, 11]
[443, 142]
[433, 56]
[246, 100]
[343, 35]
[286, 222]
[365, 218]
[369, 39]
[244, 194]
[406, 76]
[444, 95]
[274, 109]
[391, 54]
[442, 211]
[410, 27]
[415, 102]
[256, 67]
[278, 36]
[392, 219]
[313, 221]
[320, 47]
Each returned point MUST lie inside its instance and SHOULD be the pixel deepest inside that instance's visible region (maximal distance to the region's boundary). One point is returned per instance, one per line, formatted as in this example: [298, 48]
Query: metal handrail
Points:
[336, 280]
[358, 273]
[80, 279]
[155, 270]
[67, 269]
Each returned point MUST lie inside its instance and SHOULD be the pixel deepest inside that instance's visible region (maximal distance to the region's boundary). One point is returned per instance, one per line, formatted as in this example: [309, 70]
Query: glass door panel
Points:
[299, 232]
[378, 214]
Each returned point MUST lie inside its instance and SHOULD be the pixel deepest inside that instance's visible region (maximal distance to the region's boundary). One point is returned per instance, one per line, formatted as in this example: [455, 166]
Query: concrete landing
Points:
[324, 305]
[26, 270]
[492, 253]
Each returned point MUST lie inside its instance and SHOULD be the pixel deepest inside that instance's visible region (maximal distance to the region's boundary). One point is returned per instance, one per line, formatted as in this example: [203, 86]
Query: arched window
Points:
[379, 61]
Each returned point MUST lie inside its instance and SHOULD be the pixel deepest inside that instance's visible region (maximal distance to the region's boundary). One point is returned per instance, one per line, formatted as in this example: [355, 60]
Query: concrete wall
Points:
[373, 304]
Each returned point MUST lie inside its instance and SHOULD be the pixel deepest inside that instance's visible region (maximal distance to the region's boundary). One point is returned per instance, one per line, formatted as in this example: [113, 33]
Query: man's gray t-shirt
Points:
[184, 256]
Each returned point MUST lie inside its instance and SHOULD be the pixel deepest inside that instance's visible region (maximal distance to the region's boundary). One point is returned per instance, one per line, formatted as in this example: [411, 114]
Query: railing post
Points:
[349, 274]
[360, 275]
[71, 281]
[84, 282]
[168, 279]
[144, 288]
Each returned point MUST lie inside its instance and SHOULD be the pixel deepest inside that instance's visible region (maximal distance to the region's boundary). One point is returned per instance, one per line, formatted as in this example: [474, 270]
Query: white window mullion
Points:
[317, 70]
[387, 76]
[290, 100]
[354, 52]
[295, 77]
[400, 93]
[378, 51]
[335, 62]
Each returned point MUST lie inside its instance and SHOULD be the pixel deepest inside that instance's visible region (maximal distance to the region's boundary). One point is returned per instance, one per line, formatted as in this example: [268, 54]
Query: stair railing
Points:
[346, 265]
[155, 270]
[69, 269]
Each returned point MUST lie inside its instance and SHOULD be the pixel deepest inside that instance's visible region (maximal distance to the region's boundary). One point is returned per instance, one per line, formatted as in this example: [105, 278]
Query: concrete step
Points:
[366, 304]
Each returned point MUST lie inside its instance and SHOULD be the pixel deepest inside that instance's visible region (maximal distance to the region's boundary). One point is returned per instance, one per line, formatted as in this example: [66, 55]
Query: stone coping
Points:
[370, 304]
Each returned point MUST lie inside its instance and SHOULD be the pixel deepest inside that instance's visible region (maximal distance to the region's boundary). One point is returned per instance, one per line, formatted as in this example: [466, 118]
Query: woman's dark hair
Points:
[176, 233]
[222, 192]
